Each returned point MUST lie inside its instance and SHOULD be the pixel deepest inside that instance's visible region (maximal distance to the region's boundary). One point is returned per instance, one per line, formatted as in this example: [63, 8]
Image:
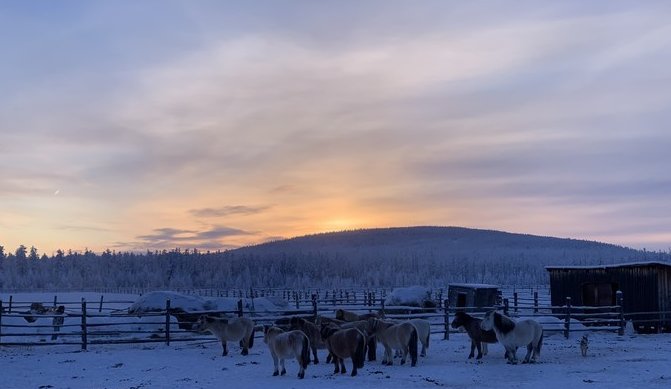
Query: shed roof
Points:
[476, 286]
[611, 266]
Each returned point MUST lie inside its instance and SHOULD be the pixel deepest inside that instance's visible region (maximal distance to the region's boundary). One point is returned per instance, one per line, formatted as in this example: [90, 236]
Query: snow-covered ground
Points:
[612, 362]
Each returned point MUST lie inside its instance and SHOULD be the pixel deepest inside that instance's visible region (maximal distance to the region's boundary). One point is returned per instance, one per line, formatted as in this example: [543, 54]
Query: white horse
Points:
[237, 329]
[393, 336]
[513, 334]
[283, 345]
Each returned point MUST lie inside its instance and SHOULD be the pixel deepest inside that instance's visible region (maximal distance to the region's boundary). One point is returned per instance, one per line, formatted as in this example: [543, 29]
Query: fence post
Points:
[240, 308]
[333, 297]
[567, 319]
[506, 306]
[167, 322]
[297, 300]
[536, 301]
[85, 340]
[381, 310]
[55, 301]
[440, 298]
[515, 301]
[446, 307]
[100, 307]
[620, 308]
[10, 303]
[1, 309]
[314, 306]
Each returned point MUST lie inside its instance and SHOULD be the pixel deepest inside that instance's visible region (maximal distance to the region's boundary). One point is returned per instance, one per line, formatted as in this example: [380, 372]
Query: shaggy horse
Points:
[513, 334]
[311, 330]
[283, 345]
[237, 329]
[479, 337]
[401, 336]
[342, 344]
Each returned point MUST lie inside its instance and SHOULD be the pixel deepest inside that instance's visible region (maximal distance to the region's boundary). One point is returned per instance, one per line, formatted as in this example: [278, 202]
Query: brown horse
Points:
[229, 330]
[342, 344]
[479, 337]
[344, 315]
[283, 345]
[311, 330]
[401, 336]
[371, 342]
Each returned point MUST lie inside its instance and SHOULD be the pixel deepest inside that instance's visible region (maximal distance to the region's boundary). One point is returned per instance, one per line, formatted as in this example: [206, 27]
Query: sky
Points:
[135, 125]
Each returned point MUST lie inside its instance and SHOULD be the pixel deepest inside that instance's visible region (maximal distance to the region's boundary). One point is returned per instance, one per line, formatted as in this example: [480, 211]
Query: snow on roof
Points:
[610, 266]
[476, 286]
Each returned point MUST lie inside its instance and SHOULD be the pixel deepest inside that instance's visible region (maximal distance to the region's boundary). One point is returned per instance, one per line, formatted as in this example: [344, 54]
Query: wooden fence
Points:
[103, 322]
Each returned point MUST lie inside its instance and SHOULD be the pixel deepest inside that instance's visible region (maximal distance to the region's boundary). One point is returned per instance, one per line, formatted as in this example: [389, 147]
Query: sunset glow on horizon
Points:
[211, 125]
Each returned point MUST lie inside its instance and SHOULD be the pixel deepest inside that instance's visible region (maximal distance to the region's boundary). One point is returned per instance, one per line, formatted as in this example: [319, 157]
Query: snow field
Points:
[612, 362]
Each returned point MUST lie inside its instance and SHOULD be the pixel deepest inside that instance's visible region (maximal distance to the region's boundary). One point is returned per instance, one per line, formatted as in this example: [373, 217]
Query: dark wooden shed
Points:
[646, 288]
[474, 297]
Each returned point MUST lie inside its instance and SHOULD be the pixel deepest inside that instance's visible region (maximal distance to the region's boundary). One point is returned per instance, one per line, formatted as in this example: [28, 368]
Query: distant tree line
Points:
[306, 265]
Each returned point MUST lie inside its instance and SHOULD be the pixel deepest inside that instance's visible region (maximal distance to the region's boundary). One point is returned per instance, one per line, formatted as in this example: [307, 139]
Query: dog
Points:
[584, 345]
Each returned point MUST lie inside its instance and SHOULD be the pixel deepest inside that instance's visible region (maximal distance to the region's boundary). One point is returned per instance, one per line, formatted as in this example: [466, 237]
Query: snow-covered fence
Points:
[109, 323]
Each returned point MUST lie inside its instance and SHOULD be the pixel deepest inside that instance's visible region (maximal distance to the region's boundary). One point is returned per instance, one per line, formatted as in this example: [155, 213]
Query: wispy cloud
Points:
[228, 210]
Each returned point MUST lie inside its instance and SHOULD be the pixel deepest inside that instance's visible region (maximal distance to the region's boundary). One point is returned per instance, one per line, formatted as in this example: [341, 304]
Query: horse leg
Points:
[276, 372]
[404, 354]
[225, 347]
[372, 348]
[245, 348]
[354, 370]
[512, 353]
[337, 365]
[530, 348]
[472, 349]
[389, 355]
[314, 353]
[343, 370]
[478, 344]
[301, 370]
[423, 352]
[284, 371]
[484, 348]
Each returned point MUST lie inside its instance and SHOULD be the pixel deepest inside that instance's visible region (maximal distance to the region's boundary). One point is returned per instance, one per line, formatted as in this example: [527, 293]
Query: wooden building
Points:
[473, 297]
[646, 288]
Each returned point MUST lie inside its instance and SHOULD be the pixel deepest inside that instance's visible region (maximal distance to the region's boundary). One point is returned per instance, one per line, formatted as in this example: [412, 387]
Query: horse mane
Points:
[503, 323]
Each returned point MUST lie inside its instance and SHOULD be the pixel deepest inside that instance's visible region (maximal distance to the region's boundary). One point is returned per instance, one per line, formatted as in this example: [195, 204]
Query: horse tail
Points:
[250, 343]
[305, 352]
[412, 345]
[360, 352]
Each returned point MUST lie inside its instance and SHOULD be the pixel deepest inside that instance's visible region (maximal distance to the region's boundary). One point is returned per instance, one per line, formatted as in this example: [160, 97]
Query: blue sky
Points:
[155, 124]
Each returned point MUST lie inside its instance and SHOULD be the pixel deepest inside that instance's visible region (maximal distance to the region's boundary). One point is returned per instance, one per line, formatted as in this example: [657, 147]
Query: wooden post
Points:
[314, 306]
[297, 300]
[240, 308]
[535, 301]
[333, 296]
[515, 301]
[567, 319]
[10, 304]
[619, 300]
[167, 322]
[85, 340]
[1, 309]
[506, 306]
[55, 302]
[446, 307]
[440, 298]
[100, 307]
[382, 309]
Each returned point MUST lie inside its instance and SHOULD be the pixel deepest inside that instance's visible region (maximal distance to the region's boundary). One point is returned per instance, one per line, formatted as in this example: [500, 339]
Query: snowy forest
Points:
[431, 256]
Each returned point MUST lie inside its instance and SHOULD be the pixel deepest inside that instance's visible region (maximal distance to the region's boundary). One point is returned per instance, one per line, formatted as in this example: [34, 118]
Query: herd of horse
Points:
[353, 336]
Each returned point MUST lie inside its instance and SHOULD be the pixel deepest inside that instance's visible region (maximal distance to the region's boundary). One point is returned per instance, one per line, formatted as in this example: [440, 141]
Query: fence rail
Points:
[96, 324]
